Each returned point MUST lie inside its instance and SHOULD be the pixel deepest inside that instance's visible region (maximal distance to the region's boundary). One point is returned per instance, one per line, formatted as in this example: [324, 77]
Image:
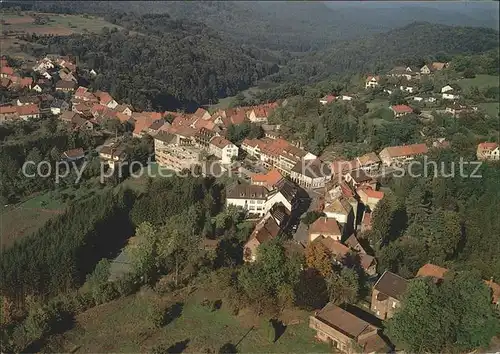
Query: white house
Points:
[446, 88]
[488, 151]
[37, 88]
[223, 149]
[418, 99]
[409, 89]
[450, 96]
[285, 193]
[47, 75]
[93, 72]
[250, 198]
[347, 98]
[430, 99]
[372, 82]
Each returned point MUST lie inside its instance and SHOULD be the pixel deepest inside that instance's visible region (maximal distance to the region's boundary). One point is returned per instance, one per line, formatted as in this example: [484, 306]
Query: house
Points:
[386, 295]
[449, 92]
[106, 100]
[427, 69]
[409, 89]
[124, 109]
[418, 98]
[250, 198]
[346, 332]
[268, 180]
[341, 210]
[369, 162]
[327, 99]
[401, 154]
[268, 228]
[66, 75]
[455, 109]
[488, 151]
[223, 149]
[260, 114]
[202, 114]
[366, 221]
[359, 178]
[439, 66]
[156, 126]
[28, 111]
[284, 193]
[353, 243]
[43, 65]
[73, 154]
[311, 173]
[324, 226]
[113, 154]
[65, 86]
[8, 113]
[37, 88]
[405, 72]
[6, 72]
[347, 97]
[27, 100]
[80, 123]
[369, 196]
[68, 116]
[93, 72]
[142, 121]
[372, 82]
[400, 110]
[441, 143]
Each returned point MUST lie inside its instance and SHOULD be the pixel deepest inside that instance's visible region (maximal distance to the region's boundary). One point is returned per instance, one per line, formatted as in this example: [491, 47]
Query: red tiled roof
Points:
[7, 70]
[488, 146]
[372, 77]
[28, 109]
[80, 91]
[329, 98]
[104, 97]
[200, 112]
[26, 82]
[74, 152]
[338, 249]
[270, 178]
[220, 142]
[407, 150]
[431, 270]
[98, 108]
[370, 193]
[326, 226]
[8, 109]
[401, 108]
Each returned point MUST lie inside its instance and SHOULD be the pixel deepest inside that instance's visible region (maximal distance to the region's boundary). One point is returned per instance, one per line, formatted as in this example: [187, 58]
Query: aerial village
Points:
[278, 181]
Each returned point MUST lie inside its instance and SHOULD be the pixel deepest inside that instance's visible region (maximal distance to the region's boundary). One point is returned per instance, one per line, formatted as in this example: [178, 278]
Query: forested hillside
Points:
[167, 65]
[404, 46]
[292, 26]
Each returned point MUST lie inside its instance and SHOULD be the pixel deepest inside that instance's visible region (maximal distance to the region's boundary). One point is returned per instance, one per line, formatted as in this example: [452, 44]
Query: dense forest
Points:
[167, 65]
[410, 45]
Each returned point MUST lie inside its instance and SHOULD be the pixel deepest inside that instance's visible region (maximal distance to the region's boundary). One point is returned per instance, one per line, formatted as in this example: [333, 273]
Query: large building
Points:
[346, 332]
[175, 157]
[401, 154]
[488, 151]
[249, 197]
[223, 149]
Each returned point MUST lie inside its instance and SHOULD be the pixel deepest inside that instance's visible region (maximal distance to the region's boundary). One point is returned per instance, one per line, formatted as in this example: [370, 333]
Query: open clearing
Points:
[122, 326]
[481, 81]
[23, 219]
[14, 25]
[491, 108]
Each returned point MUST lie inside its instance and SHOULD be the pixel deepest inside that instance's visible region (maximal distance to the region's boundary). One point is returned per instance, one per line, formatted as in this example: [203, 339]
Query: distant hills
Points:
[292, 25]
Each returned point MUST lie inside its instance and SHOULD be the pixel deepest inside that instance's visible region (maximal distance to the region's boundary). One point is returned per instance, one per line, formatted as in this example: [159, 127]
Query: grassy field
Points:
[58, 24]
[481, 81]
[491, 108]
[122, 326]
[23, 219]
[249, 93]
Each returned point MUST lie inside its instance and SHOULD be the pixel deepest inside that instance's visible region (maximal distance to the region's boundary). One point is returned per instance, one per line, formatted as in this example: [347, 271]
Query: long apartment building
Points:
[173, 156]
[277, 153]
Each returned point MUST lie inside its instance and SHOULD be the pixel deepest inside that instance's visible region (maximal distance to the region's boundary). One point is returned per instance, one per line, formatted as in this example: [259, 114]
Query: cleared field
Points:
[122, 326]
[481, 81]
[57, 24]
[23, 219]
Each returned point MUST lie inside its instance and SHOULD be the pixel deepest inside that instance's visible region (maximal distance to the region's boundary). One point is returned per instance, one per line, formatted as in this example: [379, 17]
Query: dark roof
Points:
[287, 189]
[360, 176]
[391, 284]
[268, 230]
[313, 168]
[165, 137]
[28, 99]
[246, 191]
[65, 84]
[353, 242]
[157, 124]
[74, 153]
[58, 103]
[344, 321]
[280, 213]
